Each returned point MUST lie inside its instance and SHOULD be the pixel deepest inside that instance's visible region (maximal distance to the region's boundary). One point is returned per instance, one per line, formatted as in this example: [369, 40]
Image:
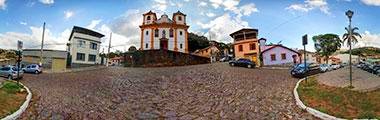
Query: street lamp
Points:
[349, 14]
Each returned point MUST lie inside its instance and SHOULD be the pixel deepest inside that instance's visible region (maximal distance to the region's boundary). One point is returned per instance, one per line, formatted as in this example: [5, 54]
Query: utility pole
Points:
[109, 48]
[349, 14]
[42, 44]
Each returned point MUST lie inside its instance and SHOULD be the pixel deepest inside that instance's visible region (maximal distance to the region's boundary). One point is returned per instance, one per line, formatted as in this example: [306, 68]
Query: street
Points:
[210, 91]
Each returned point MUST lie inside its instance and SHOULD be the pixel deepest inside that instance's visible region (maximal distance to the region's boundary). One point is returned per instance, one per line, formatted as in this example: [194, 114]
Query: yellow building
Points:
[246, 44]
[53, 60]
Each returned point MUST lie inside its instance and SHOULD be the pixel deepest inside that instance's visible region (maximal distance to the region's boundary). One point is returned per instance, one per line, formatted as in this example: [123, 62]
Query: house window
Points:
[179, 18]
[94, 46]
[147, 33]
[240, 48]
[146, 45]
[180, 33]
[171, 33]
[156, 33]
[283, 56]
[252, 46]
[81, 57]
[273, 57]
[91, 58]
[180, 45]
[81, 43]
[147, 18]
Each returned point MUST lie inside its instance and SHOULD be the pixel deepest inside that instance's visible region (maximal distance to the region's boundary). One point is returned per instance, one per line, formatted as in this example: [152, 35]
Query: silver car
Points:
[10, 72]
[33, 68]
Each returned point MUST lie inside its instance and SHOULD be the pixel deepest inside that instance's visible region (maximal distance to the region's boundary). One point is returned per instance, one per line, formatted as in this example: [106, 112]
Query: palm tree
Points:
[325, 45]
[353, 39]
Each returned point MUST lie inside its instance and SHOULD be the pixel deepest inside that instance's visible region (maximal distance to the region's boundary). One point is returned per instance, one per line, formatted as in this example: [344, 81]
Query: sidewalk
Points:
[361, 80]
[75, 69]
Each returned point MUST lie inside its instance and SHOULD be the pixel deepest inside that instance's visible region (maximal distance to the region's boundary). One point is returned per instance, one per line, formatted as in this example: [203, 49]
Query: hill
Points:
[365, 51]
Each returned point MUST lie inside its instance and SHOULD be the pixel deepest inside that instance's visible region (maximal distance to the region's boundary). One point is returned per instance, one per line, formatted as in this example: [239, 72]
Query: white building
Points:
[83, 47]
[164, 33]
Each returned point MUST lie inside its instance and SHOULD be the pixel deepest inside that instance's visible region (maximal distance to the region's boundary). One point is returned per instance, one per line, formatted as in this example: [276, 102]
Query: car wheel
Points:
[249, 66]
[10, 77]
[232, 64]
[36, 72]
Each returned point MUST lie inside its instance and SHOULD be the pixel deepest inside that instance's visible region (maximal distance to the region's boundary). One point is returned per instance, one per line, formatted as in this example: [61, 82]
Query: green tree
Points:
[326, 44]
[353, 39]
[197, 42]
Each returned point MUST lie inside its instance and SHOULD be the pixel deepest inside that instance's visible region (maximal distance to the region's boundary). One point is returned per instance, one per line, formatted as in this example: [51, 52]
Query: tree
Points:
[353, 39]
[325, 45]
[197, 42]
[132, 49]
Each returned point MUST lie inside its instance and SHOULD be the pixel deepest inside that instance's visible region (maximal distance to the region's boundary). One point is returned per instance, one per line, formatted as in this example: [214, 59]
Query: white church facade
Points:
[164, 33]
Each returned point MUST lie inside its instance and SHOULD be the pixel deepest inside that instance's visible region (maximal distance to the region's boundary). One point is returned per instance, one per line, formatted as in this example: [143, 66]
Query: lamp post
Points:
[349, 14]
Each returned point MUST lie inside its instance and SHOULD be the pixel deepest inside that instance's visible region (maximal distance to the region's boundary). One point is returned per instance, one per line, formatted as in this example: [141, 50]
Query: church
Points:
[164, 33]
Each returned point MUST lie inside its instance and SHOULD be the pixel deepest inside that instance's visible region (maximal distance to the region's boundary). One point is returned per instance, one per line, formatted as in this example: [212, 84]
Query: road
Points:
[211, 91]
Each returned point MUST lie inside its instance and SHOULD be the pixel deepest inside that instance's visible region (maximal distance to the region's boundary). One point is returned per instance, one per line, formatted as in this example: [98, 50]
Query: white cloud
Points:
[2, 4]
[161, 5]
[217, 27]
[248, 9]
[310, 5]
[33, 40]
[68, 14]
[368, 39]
[23, 23]
[47, 2]
[203, 4]
[93, 24]
[210, 14]
[371, 2]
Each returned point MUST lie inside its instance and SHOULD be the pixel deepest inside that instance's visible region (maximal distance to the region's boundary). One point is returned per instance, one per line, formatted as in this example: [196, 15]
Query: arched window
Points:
[147, 32]
[171, 32]
[180, 33]
[156, 33]
[147, 18]
[163, 33]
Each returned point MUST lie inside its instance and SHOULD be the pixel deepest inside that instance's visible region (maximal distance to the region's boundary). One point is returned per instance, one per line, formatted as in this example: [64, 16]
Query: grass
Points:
[10, 98]
[340, 102]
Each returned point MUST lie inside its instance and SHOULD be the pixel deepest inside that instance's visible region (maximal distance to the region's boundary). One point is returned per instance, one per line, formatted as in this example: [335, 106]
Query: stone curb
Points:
[310, 110]
[22, 108]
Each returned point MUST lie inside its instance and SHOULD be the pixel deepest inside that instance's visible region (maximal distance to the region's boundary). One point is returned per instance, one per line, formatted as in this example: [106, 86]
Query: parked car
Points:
[243, 63]
[10, 72]
[335, 66]
[302, 71]
[324, 67]
[375, 69]
[33, 68]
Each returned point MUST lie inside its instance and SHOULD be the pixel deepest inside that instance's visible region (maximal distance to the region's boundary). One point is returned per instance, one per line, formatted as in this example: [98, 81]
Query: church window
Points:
[156, 33]
[171, 33]
[180, 46]
[179, 18]
[180, 33]
[148, 18]
[146, 45]
[147, 32]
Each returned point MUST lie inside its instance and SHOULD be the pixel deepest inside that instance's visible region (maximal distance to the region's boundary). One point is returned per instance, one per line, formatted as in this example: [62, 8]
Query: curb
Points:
[22, 108]
[310, 110]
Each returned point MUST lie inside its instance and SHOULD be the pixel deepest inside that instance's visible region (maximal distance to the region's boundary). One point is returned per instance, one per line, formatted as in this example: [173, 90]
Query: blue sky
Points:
[277, 20]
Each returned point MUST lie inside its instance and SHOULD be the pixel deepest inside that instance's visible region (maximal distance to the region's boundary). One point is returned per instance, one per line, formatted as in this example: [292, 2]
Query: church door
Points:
[164, 43]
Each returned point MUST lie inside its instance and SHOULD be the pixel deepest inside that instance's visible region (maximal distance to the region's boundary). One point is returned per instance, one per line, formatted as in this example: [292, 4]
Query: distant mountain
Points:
[365, 51]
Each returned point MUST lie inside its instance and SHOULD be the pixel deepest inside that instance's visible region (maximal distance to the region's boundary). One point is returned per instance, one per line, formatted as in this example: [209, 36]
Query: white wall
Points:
[74, 49]
[147, 38]
[278, 51]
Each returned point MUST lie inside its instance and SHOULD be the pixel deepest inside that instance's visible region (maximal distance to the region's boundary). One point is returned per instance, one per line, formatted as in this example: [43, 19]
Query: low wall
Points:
[161, 58]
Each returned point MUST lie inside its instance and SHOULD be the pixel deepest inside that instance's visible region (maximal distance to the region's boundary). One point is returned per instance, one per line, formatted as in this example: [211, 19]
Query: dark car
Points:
[300, 70]
[243, 63]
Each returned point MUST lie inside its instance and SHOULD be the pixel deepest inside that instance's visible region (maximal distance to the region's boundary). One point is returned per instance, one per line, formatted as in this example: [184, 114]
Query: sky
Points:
[279, 21]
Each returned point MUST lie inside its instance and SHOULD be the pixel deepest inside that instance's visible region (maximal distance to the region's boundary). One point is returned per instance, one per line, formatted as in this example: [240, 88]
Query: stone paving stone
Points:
[211, 91]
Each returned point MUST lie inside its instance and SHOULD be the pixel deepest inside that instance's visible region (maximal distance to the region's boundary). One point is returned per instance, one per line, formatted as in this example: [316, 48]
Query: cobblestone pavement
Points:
[361, 80]
[212, 91]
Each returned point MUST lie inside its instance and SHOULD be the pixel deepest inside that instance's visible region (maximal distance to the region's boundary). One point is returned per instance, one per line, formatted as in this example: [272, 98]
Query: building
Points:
[55, 60]
[277, 54]
[83, 47]
[246, 44]
[310, 56]
[164, 33]
[116, 61]
[211, 52]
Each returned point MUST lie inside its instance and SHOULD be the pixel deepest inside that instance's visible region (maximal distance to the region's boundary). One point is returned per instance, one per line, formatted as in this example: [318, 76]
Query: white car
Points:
[335, 66]
[325, 67]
